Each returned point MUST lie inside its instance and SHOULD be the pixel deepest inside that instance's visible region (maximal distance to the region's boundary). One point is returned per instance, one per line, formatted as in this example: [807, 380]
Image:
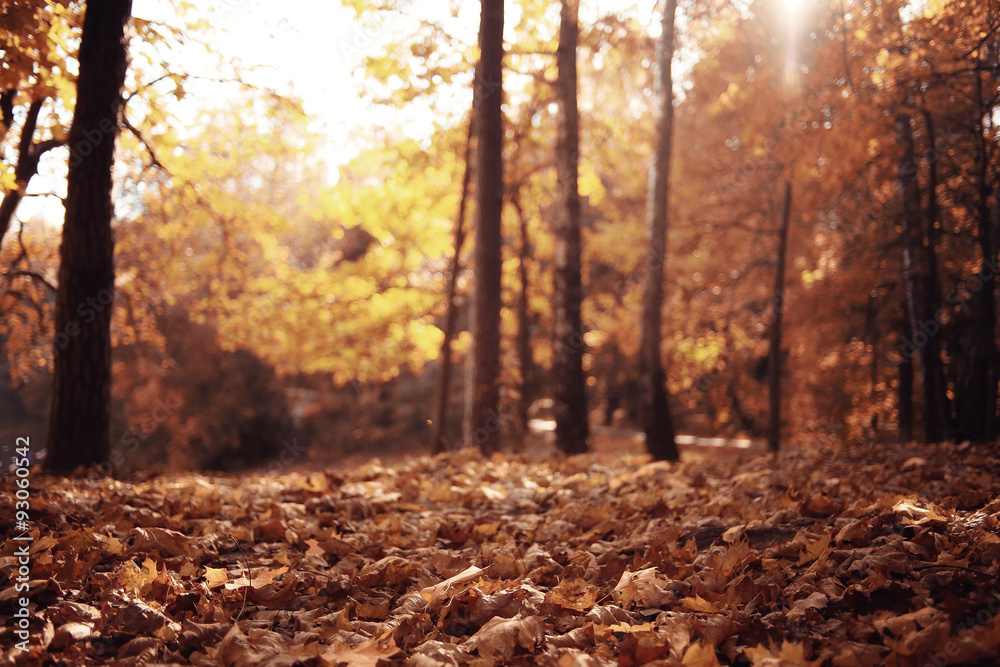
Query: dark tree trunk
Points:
[613, 391]
[484, 417]
[524, 352]
[79, 425]
[28, 155]
[873, 337]
[657, 421]
[774, 343]
[933, 298]
[905, 377]
[977, 390]
[444, 382]
[924, 325]
[568, 381]
[6, 111]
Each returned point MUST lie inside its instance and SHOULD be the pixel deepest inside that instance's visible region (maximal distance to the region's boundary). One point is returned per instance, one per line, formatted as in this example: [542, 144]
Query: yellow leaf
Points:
[790, 655]
[698, 603]
[216, 576]
[700, 655]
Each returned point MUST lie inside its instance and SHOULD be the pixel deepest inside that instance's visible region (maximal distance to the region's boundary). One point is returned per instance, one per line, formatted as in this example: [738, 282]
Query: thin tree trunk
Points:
[28, 155]
[79, 426]
[777, 309]
[444, 382]
[568, 380]
[933, 296]
[873, 336]
[978, 386]
[923, 321]
[484, 418]
[524, 352]
[6, 111]
[905, 378]
[657, 421]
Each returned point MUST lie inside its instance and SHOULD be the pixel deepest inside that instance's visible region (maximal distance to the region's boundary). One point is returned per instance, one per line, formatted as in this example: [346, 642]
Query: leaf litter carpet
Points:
[827, 556]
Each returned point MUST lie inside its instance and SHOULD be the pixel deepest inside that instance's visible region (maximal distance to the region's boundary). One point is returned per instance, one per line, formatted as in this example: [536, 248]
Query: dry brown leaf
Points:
[575, 594]
[700, 655]
[501, 637]
[166, 542]
[554, 542]
[216, 576]
[789, 655]
[68, 633]
[451, 586]
[237, 649]
[644, 588]
[632, 629]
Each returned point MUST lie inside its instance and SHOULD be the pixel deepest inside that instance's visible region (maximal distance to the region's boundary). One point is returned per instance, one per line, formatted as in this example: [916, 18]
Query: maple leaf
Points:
[499, 638]
[575, 594]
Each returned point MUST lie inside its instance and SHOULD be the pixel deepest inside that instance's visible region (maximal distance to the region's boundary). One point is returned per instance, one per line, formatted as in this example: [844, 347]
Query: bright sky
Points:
[312, 49]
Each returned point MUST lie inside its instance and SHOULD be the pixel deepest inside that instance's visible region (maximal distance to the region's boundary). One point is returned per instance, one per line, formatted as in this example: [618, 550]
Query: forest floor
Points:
[827, 556]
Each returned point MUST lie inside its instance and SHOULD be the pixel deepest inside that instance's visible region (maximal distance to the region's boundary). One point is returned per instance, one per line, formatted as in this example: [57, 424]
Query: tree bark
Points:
[933, 297]
[568, 380]
[444, 382]
[924, 324]
[524, 352]
[774, 343]
[977, 387]
[905, 377]
[79, 426]
[657, 420]
[484, 417]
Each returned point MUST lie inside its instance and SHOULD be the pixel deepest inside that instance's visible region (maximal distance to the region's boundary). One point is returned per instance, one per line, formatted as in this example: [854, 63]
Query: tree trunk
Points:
[568, 381]
[28, 155]
[484, 417]
[444, 382]
[657, 421]
[977, 403]
[524, 352]
[79, 426]
[933, 297]
[905, 377]
[774, 344]
[923, 320]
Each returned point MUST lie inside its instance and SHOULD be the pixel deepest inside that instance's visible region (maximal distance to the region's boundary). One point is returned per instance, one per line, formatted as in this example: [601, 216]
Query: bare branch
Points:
[154, 161]
[34, 275]
[43, 147]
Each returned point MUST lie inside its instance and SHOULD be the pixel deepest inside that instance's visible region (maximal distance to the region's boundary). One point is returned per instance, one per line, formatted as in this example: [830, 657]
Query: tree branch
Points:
[43, 147]
[34, 275]
[154, 161]
[7, 109]
[28, 131]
